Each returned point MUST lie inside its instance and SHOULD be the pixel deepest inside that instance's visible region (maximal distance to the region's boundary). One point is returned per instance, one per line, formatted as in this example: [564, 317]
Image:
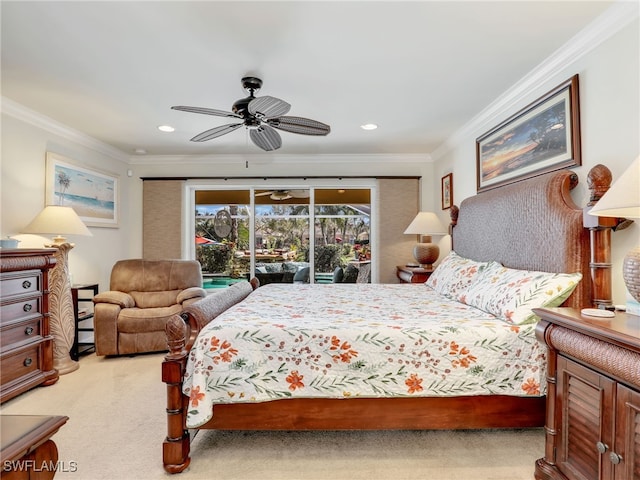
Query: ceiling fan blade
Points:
[304, 126]
[206, 111]
[216, 132]
[262, 194]
[299, 193]
[266, 138]
[267, 107]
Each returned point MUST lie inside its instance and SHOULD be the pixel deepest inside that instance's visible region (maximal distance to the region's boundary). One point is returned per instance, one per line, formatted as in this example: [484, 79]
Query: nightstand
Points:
[413, 274]
[593, 395]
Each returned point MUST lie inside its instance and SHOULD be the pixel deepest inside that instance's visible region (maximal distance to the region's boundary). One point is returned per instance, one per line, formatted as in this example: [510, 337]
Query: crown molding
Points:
[613, 20]
[22, 113]
[234, 159]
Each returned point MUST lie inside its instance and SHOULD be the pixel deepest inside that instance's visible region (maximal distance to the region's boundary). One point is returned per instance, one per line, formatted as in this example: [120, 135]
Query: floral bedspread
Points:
[347, 340]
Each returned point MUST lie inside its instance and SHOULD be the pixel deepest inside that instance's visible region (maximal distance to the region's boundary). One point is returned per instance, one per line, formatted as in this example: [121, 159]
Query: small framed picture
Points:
[447, 191]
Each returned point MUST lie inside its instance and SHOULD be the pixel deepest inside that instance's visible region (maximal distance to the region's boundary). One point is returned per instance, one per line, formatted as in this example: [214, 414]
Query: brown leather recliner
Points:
[144, 294]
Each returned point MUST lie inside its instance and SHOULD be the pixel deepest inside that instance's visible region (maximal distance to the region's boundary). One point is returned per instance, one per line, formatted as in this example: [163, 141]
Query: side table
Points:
[413, 274]
[26, 448]
[82, 296]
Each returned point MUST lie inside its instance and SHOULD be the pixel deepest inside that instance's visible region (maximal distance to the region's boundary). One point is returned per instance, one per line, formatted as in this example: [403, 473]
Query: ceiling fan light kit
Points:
[285, 194]
[262, 115]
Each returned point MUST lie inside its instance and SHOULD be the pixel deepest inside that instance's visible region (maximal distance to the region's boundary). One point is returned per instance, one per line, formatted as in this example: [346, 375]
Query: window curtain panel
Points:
[162, 219]
[398, 204]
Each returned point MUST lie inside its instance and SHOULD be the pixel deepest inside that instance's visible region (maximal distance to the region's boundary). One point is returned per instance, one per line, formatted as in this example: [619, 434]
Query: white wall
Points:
[609, 77]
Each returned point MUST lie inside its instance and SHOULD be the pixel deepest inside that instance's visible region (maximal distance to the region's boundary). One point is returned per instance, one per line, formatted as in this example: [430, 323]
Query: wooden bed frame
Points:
[533, 224]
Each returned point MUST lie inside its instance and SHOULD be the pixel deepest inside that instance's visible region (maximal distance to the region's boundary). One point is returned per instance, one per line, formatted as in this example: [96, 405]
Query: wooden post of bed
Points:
[176, 446]
[600, 228]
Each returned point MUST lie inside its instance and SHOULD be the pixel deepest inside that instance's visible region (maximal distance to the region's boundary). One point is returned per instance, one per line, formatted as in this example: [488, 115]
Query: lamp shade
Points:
[58, 220]
[426, 223]
[623, 198]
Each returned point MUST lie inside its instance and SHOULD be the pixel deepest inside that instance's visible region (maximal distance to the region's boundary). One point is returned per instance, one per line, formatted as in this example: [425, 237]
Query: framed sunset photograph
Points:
[542, 137]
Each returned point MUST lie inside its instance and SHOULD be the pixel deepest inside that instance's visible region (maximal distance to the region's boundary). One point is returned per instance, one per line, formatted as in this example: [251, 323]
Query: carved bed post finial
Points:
[176, 331]
[453, 214]
[599, 181]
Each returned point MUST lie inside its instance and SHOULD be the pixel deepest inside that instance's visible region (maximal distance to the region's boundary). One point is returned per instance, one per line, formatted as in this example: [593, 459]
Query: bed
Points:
[296, 357]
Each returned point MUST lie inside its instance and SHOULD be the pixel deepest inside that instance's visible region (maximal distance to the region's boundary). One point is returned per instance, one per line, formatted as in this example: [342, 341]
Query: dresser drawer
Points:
[20, 283]
[21, 310]
[20, 363]
[19, 334]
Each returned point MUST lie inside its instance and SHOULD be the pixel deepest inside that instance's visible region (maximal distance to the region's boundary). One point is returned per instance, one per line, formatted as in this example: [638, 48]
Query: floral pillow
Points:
[454, 275]
[510, 294]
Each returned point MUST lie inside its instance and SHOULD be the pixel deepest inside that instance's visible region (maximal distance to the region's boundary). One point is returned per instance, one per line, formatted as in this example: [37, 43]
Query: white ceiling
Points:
[419, 69]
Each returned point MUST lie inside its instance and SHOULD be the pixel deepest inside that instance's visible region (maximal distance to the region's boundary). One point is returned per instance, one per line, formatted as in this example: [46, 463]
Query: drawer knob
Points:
[602, 447]
[27, 361]
[27, 307]
[26, 284]
[615, 458]
[28, 330]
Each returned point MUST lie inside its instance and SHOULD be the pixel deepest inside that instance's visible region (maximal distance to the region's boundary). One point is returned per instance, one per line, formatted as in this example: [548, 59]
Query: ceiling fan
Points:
[261, 115]
[284, 194]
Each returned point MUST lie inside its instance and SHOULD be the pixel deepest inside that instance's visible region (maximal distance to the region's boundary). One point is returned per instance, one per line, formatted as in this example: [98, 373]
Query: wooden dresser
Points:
[26, 346]
[593, 396]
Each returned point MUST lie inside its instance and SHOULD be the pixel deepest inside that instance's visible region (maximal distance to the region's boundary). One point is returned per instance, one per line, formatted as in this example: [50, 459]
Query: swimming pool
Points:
[219, 282]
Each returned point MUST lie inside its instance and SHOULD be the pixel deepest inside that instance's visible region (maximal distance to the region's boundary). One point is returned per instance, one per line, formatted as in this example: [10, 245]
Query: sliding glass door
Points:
[342, 230]
[279, 235]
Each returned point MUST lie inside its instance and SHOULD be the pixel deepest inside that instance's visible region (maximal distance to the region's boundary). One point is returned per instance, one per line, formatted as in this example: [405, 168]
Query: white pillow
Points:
[454, 275]
[510, 294]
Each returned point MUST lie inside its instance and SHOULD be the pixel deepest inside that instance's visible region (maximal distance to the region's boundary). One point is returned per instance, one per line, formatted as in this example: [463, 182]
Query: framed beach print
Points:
[446, 188]
[542, 137]
[91, 193]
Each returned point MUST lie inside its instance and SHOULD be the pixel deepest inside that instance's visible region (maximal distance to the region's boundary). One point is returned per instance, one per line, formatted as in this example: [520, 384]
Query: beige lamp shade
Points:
[623, 200]
[426, 224]
[57, 220]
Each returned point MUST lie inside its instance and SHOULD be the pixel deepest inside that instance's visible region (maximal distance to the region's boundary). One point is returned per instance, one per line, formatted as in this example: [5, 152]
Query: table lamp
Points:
[623, 200]
[59, 220]
[426, 224]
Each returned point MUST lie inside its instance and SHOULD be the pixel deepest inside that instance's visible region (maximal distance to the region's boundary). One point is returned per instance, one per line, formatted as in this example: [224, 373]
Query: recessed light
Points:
[369, 126]
[140, 151]
[166, 128]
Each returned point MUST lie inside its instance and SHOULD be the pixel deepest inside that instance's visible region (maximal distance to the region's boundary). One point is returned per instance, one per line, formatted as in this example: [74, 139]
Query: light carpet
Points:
[117, 422]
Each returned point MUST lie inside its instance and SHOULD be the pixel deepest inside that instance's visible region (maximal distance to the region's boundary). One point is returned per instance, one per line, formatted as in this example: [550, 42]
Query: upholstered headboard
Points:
[531, 225]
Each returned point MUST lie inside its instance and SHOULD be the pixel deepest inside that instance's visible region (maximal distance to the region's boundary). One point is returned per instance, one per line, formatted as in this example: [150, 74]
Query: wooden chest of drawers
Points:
[26, 346]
